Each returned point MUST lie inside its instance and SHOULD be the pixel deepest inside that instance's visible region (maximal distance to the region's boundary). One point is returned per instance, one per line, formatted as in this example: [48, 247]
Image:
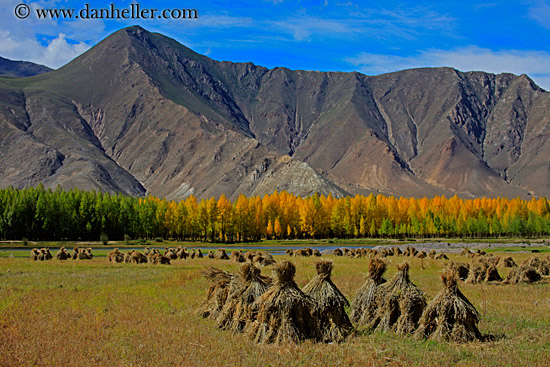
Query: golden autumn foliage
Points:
[45, 214]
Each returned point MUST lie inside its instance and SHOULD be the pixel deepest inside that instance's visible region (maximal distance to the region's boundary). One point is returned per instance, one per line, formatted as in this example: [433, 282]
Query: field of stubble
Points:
[91, 313]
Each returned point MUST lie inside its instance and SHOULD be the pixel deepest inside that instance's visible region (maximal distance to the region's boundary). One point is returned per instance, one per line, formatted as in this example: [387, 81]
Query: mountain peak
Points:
[140, 110]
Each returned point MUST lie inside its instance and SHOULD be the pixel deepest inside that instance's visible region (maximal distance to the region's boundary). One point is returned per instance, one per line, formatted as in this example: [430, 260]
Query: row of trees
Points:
[40, 214]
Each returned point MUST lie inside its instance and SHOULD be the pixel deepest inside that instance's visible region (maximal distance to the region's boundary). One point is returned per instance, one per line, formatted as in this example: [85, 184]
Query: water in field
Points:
[101, 251]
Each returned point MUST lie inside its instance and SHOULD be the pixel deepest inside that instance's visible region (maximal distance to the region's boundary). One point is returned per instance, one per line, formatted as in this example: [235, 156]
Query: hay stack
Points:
[337, 252]
[542, 265]
[156, 258]
[237, 256]
[334, 323]
[35, 254]
[482, 270]
[135, 257]
[115, 256]
[450, 316]
[441, 256]
[461, 269]
[285, 313]
[401, 304]
[465, 252]
[84, 254]
[76, 250]
[239, 309]
[289, 252]
[170, 253]
[62, 254]
[221, 254]
[217, 292]
[410, 251]
[421, 255]
[317, 253]
[210, 254]
[523, 274]
[507, 262]
[182, 253]
[432, 254]
[263, 258]
[301, 252]
[363, 306]
[45, 254]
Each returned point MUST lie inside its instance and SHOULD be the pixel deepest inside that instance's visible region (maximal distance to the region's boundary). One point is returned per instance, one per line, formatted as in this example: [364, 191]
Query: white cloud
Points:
[54, 54]
[534, 63]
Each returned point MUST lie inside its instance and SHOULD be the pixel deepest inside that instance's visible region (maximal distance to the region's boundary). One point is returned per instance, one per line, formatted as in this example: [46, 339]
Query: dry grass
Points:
[70, 313]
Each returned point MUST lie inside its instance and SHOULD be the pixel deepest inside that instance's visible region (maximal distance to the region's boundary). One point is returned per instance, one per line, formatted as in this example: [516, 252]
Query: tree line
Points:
[45, 214]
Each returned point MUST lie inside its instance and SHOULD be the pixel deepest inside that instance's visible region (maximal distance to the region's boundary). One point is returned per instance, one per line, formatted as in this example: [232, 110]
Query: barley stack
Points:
[421, 255]
[263, 258]
[239, 307]
[450, 316]
[363, 307]
[285, 313]
[221, 254]
[170, 253]
[182, 253]
[334, 323]
[158, 258]
[401, 304]
[507, 262]
[337, 252]
[35, 254]
[383, 252]
[217, 292]
[542, 265]
[461, 269]
[237, 256]
[45, 254]
[62, 254]
[441, 256]
[523, 274]
[481, 270]
[115, 256]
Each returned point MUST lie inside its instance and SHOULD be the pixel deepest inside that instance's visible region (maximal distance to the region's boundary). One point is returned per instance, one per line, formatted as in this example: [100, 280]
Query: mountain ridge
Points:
[20, 69]
[165, 120]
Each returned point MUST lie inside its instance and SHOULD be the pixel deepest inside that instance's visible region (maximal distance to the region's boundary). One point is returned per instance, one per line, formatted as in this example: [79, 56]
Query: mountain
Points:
[19, 69]
[140, 113]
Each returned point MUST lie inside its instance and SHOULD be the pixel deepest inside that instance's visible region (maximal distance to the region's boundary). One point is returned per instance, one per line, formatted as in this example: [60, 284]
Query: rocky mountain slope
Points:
[139, 113]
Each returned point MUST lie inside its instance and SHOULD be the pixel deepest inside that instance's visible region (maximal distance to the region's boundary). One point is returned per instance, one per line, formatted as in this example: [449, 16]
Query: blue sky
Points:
[372, 37]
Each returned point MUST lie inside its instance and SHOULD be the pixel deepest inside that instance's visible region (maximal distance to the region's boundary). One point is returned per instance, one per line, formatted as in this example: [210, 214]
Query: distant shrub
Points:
[159, 239]
[25, 241]
[104, 239]
[127, 239]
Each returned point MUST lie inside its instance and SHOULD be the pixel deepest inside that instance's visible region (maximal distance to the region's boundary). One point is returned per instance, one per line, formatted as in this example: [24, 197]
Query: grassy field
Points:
[91, 313]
